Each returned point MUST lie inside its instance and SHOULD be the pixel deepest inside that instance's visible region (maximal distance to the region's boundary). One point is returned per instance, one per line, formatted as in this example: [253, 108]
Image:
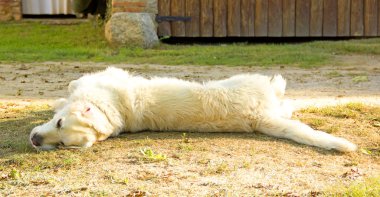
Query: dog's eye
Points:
[59, 123]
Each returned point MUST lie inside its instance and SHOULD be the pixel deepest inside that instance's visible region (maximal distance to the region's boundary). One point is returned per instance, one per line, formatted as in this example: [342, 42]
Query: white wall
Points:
[47, 7]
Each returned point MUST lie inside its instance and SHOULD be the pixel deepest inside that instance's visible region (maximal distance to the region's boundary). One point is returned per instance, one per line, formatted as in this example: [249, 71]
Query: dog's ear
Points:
[58, 104]
[98, 121]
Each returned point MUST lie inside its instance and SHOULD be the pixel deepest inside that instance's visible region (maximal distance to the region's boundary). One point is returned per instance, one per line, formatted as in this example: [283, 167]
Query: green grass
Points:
[370, 187]
[149, 155]
[37, 42]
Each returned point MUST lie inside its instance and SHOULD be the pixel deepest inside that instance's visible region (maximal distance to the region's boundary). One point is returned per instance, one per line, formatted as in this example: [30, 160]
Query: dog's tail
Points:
[279, 84]
[301, 133]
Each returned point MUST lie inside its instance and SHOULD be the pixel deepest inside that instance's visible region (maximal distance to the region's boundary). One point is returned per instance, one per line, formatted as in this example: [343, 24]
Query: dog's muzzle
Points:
[36, 140]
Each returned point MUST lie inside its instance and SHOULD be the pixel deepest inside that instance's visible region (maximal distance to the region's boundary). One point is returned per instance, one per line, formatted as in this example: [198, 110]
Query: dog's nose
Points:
[36, 140]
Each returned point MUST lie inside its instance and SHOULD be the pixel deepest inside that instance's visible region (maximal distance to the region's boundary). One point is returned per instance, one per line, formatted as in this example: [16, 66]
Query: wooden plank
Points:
[330, 18]
[164, 10]
[344, 7]
[370, 17]
[357, 20]
[206, 18]
[275, 18]
[233, 18]
[288, 18]
[316, 17]
[220, 18]
[378, 19]
[261, 18]
[193, 11]
[302, 18]
[247, 18]
[178, 9]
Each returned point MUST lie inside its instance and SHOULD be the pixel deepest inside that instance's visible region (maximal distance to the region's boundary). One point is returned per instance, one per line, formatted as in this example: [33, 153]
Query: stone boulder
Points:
[131, 29]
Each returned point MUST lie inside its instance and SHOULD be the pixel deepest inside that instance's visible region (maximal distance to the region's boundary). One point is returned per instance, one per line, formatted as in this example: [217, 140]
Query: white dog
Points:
[107, 103]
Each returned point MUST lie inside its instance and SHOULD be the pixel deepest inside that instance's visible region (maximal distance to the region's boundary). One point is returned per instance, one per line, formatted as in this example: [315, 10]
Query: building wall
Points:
[146, 6]
[10, 10]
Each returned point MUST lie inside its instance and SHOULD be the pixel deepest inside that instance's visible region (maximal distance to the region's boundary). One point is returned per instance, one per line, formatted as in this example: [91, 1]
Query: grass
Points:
[345, 117]
[350, 110]
[149, 155]
[370, 187]
[14, 133]
[39, 42]
[166, 163]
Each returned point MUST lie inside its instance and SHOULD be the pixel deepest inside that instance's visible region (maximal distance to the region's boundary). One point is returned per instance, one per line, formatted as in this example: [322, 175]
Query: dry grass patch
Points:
[352, 120]
[192, 164]
[367, 188]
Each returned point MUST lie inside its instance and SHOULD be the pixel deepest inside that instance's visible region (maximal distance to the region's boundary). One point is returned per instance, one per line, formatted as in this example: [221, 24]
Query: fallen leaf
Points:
[352, 174]
[39, 182]
[138, 193]
[315, 193]
[4, 176]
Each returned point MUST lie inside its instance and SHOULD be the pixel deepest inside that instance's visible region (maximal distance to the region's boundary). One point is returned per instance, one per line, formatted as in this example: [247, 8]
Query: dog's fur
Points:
[107, 103]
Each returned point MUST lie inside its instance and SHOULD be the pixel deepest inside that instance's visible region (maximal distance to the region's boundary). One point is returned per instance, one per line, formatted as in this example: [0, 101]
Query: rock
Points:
[131, 29]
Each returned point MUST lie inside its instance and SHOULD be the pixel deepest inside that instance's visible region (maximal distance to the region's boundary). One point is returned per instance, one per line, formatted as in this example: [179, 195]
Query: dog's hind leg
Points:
[286, 109]
[301, 133]
[279, 85]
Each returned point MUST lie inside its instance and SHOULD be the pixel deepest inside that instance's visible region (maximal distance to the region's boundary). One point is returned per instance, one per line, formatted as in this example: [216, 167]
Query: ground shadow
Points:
[14, 136]
[195, 136]
[15, 129]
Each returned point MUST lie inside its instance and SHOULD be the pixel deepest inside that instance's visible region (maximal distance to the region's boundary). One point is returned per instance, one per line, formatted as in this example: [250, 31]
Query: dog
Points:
[107, 103]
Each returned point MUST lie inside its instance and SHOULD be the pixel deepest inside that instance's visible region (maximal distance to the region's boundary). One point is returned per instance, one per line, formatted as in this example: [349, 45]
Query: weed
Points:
[246, 165]
[149, 155]
[359, 79]
[185, 139]
[252, 152]
[185, 147]
[116, 180]
[217, 168]
[334, 74]
[15, 174]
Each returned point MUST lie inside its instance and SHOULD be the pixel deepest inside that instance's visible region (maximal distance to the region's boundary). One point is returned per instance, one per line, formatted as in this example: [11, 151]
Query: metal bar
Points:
[160, 19]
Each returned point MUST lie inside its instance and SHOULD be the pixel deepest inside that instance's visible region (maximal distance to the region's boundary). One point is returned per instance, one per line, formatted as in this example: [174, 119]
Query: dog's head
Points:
[75, 124]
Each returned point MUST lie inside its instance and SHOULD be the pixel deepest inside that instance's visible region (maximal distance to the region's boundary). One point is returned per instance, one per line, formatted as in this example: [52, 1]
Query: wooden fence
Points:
[271, 18]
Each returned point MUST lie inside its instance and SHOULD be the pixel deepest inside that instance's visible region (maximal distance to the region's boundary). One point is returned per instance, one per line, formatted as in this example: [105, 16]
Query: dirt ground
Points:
[317, 86]
[207, 165]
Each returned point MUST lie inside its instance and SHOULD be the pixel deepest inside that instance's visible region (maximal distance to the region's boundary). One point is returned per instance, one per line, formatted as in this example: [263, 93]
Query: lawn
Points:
[195, 164]
[41, 42]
